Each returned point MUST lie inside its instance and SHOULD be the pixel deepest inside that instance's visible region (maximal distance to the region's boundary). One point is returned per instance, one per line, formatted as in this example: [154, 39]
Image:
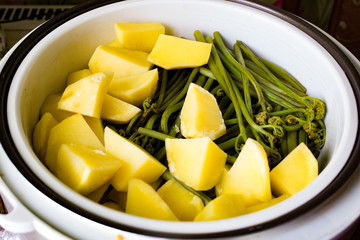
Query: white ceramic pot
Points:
[39, 65]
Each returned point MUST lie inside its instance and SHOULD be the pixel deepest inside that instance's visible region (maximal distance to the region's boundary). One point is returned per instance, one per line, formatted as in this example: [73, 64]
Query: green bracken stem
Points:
[230, 159]
[283, 74]
[160, 154]
[282, 85]
[149, 125]
[264, 79]
[162, 87]
[232, 131]
[230, 121]
[154, 134]
[175, 129]
[224, 102]
[201, 80]
[146, 114]
[284, 147]
[132, 123]
[214, 70]
[167, 113]
[174, 78]
[206, 72]
[250, 120]
[205, 199]
[227, 145]
[180, 91]
[245, 81]
[208, 83]
[226, 81]
[279, 97]
[302, 136]
[183, 92]
[291, 140]
[272, 96]
[291, 128]
[216, 90]
[174, 89]
[232, 62]
[133, 136]
[288, 111]
[229, 111]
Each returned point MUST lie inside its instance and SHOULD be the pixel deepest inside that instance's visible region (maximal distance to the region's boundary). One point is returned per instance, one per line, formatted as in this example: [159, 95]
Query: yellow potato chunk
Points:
[144, 201]
[184, 204]
[223, 206]
[98, 193]
[41, 134]
[263, 205]
[72, 130]
[172, 52]
[119, 197]
[219, 186]
[112, 205]
[121, 61]
[231, 185]
[50, 105]
[297, 170]
[118, 111]
[249, 175]
[114, 43]
[139, 36]
[87, 95]
[85, 169]
[201, 115]
[137, 163]
[97, 126]
[77, 75]
[197, 162]
[134, 89]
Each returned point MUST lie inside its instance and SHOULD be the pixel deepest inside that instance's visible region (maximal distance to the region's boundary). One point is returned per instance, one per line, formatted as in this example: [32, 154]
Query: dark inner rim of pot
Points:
[27, 44]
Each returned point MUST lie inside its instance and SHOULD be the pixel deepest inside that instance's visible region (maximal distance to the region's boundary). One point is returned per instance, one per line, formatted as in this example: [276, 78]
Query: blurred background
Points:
[340, 18]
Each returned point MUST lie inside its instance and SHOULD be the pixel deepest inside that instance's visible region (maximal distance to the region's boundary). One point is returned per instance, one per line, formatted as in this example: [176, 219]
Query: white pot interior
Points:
[69, 47]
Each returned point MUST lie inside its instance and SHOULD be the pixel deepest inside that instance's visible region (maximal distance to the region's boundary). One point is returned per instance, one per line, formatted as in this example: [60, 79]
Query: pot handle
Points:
[19, 220]
[16, 219]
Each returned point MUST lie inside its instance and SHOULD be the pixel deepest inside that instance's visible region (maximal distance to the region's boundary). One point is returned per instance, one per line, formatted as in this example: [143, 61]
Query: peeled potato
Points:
[297, 170]
[172, 52]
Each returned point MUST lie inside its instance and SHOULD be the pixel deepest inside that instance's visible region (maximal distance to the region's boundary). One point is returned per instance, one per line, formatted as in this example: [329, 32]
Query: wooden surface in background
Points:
[345, 24]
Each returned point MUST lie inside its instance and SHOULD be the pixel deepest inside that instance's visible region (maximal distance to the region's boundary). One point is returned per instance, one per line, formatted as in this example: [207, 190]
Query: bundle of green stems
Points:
[258, 100]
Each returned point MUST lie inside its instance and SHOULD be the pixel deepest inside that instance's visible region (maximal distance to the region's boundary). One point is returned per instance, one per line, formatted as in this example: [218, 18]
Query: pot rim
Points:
[29, 42]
